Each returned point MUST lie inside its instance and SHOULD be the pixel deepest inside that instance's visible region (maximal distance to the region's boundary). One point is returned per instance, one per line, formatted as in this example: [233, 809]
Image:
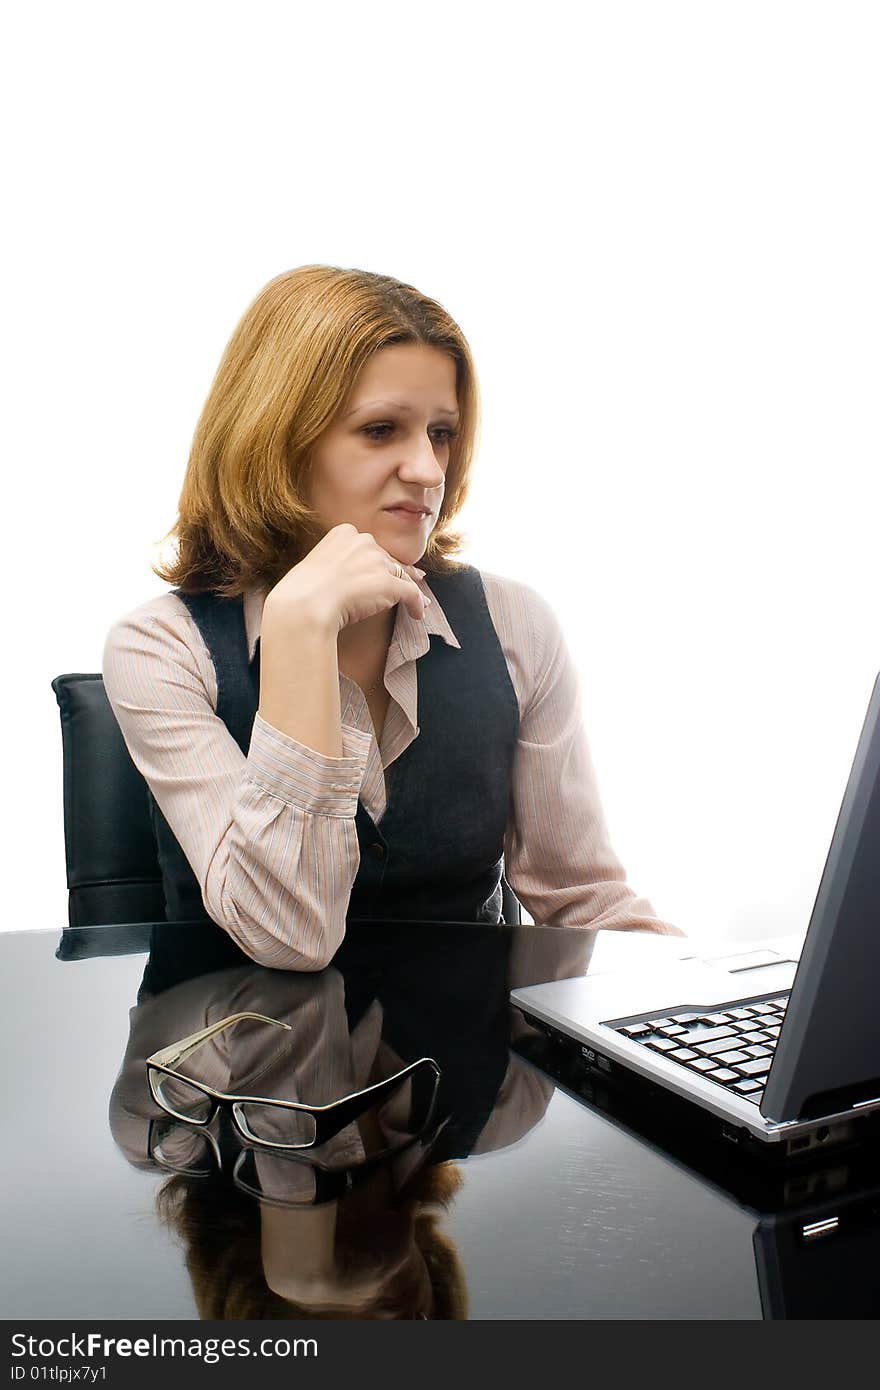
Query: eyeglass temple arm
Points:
[178, 1052]
[330, 1119]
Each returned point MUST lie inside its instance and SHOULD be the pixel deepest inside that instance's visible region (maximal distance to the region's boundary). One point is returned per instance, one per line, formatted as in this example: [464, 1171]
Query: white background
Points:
[657, 225]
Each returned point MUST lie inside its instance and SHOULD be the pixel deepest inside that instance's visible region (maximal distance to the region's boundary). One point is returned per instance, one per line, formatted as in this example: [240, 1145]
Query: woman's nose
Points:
[421, 463]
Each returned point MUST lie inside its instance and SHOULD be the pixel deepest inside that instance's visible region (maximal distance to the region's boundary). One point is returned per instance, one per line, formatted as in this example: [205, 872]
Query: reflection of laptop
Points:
[814, 1230]
[788, 1061]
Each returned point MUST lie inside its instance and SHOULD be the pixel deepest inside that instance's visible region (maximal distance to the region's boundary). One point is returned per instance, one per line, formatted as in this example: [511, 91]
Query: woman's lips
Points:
[412, 517]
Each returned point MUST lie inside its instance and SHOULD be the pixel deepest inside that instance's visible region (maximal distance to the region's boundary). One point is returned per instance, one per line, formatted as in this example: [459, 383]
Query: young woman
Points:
[335, 718]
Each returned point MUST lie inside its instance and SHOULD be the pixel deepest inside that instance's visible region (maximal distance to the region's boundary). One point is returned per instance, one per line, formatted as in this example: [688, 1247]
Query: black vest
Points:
[437, 852]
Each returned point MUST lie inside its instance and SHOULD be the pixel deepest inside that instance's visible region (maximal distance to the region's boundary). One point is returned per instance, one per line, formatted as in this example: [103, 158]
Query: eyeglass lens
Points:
[184, 1101]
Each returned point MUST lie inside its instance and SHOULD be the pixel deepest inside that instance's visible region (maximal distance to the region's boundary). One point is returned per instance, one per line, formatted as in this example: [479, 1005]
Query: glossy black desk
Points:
[563, 1210]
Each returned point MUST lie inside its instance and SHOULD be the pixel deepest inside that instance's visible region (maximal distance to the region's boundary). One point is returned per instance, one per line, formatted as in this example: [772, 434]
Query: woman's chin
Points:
[405, 555]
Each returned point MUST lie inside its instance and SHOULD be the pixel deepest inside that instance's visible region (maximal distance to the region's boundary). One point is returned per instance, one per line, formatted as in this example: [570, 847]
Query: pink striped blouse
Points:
[271, 836]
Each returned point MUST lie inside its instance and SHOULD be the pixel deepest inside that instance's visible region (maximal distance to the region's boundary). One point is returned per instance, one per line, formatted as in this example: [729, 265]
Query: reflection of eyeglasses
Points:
[283, 1179]
[261, 1120]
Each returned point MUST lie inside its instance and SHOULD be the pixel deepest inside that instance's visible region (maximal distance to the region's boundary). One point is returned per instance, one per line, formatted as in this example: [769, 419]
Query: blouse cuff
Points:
[310, 781]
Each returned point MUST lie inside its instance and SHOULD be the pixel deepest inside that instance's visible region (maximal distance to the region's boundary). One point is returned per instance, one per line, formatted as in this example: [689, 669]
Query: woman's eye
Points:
[378, 432]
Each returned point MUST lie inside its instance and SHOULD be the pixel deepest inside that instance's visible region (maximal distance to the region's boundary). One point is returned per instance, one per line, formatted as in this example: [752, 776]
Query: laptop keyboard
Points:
[733, 1046]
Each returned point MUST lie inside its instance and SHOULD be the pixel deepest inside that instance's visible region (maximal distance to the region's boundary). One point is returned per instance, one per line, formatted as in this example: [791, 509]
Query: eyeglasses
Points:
[285, 1125]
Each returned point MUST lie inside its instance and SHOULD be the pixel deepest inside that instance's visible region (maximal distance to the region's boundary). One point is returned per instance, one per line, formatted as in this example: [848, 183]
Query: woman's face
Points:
[389, 444]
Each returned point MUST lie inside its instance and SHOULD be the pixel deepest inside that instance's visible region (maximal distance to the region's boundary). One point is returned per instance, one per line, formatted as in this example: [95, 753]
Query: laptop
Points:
[784, 1056]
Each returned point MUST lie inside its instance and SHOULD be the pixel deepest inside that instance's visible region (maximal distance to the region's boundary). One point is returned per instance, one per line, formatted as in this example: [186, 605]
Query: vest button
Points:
[378, 850]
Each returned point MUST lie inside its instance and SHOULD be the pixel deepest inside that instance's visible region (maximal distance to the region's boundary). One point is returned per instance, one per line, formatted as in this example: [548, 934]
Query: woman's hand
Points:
[346, 577]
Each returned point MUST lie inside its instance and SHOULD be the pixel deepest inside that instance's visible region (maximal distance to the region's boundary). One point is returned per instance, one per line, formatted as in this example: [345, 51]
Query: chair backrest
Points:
[113, 873]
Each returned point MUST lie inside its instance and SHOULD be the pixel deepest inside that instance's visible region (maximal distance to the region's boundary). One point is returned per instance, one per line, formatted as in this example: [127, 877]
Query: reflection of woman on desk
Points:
[330, 731]
[378, 1250]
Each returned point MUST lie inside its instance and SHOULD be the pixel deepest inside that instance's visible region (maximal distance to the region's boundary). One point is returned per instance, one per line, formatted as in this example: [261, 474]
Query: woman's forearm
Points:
[299, 681]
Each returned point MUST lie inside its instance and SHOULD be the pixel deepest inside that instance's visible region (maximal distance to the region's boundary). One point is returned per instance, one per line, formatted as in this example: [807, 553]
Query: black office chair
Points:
[113, 874]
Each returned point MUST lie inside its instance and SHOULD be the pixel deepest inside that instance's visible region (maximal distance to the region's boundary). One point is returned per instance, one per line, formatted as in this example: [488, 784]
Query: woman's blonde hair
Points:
[289, 367]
